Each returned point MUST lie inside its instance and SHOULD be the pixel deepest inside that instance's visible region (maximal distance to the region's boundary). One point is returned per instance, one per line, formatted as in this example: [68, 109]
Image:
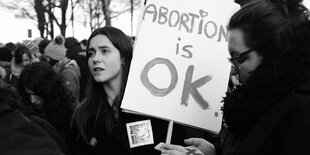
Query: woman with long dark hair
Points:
[99, 118]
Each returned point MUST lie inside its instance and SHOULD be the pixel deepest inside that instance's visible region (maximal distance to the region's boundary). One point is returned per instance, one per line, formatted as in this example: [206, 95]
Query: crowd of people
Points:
[63, 96]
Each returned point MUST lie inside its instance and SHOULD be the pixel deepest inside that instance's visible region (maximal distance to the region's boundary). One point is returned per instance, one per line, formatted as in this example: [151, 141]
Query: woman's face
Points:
[34, 99]
[243, 58]
[105, 62]
[26, 59]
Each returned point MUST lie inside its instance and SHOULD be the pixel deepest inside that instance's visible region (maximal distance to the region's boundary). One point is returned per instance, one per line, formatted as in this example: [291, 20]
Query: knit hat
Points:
[32, 46]
[56, 49]
[5, 54]
[38, 40]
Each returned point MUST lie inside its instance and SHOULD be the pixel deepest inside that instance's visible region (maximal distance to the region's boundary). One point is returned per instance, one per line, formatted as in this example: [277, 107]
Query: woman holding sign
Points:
[269, 112]
[104, 128]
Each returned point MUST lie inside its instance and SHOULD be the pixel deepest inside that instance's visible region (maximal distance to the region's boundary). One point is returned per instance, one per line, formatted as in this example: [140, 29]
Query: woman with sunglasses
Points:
[268, 113]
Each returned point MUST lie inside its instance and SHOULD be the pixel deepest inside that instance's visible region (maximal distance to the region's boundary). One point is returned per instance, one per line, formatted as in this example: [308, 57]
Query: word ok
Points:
[189, 87]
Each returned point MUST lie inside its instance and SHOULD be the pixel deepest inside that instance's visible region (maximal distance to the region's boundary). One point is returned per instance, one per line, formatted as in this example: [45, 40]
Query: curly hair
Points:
[279, 31]
[58, 103]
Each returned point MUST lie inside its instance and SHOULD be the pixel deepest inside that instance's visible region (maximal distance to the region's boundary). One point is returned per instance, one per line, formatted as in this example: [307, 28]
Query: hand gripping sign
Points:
[179, 70]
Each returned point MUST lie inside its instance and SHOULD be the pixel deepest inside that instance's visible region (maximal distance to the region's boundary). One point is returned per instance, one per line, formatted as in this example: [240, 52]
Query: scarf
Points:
[16, 69]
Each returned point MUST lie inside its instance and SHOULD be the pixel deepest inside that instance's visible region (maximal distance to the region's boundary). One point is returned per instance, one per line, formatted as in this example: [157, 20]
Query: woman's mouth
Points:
[98, 69]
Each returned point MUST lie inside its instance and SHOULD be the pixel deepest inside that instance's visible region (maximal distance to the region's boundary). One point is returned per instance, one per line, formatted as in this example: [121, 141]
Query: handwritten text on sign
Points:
[184, 21]
[179, 70]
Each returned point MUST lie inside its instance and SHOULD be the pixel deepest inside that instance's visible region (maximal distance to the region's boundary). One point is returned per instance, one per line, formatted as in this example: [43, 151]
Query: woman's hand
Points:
[197, 146]
[169, 149]
[204, 146]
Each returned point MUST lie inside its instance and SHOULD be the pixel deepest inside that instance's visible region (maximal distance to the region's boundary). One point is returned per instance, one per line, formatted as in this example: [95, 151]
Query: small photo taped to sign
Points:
[140, 133]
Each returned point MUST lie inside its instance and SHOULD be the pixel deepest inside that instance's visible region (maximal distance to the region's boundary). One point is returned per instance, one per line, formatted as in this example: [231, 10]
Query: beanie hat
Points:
[37, 40]
[56, 49]
[5, 54]
[32, 46]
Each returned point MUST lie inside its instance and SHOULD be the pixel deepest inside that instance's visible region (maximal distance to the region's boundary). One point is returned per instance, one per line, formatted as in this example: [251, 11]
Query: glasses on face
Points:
[237, 60]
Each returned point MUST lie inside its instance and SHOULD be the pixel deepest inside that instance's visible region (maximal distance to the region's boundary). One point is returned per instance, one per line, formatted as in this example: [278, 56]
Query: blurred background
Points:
[31, 19]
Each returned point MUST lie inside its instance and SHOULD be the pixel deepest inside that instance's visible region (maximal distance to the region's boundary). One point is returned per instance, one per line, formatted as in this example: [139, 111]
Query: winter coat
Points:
[118, 143]
[19, 136]
[37, 117]
[75, 53]
[70, 71]
[281, 131]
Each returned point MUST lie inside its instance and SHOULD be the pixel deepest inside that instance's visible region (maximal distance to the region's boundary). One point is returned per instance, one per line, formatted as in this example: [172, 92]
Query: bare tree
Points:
[63, 6]
[50, 12]
[73, 5]
[93, 9]
[39, 8]
[106, 11]
[100, 11]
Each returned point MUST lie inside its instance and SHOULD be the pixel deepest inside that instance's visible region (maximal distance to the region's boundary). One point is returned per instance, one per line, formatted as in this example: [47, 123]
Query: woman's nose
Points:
[95, 60]
[234, 70]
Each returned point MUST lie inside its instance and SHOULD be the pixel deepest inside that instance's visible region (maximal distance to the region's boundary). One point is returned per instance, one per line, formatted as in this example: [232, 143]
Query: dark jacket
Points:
[281, 131]
[19, 136]
[70, 72]
[75, 53]
[11, 79]
[118, 143]
[37, 117]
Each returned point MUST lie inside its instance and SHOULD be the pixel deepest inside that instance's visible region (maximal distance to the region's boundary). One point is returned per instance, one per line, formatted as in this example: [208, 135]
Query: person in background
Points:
[55, 53]
[5, 61]
[37, 40]
[33, 48]
[42, 45]
[75, 52]
[45, 97]
[21, 58]
[74, 47]
[83, 44]
[268, 113]
[18, 134]
[11, 46]
[99, 118]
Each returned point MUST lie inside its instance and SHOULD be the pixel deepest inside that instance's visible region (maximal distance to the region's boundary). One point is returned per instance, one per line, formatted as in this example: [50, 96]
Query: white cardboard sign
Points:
[179, 70]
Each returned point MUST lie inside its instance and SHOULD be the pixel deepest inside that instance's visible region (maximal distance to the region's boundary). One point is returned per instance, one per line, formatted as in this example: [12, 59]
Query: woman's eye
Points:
[91, 53]
[241, 59]
[104, 51]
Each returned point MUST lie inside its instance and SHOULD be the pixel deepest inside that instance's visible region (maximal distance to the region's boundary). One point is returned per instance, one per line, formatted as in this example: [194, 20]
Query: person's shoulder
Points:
[22, 136]
[299, 101]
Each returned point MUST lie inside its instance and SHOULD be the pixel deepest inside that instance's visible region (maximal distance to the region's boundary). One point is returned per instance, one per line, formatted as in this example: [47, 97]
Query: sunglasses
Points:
[237, 60]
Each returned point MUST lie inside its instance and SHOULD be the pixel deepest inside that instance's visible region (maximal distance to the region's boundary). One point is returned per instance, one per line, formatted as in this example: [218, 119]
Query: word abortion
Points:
[186, 21]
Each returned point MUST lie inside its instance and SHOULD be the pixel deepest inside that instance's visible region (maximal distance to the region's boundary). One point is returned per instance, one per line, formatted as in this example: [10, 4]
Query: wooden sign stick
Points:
[169, 132]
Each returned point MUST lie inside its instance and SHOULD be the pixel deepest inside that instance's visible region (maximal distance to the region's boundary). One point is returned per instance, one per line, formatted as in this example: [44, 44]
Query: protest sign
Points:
[179, 70]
